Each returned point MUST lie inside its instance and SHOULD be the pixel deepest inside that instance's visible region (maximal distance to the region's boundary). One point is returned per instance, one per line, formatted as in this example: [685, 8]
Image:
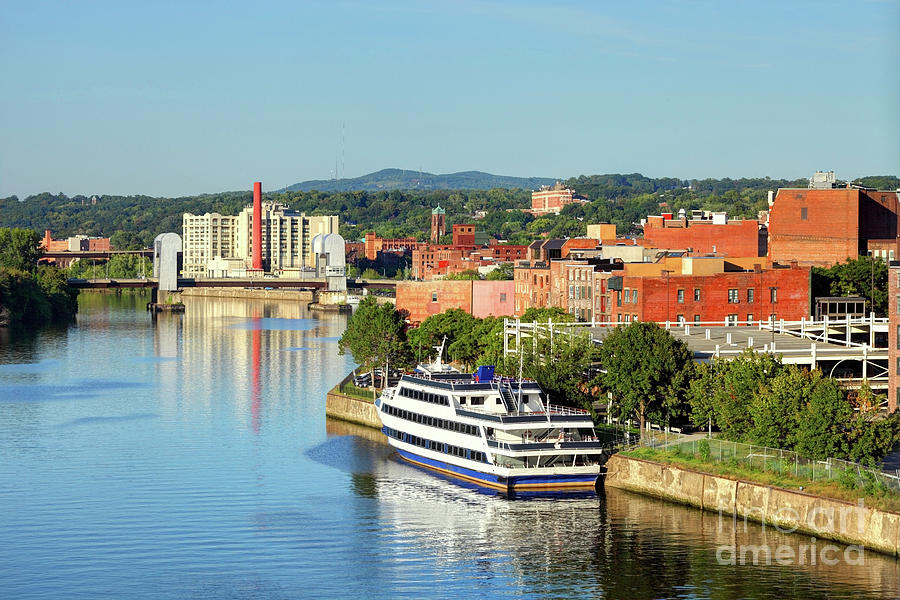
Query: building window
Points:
[773, 296]
[502, 297]
[731, 320]
[680, 319]
[696, 319]
[733, 296]
[750, 319]
[634, 296]
[803, 213]
[618, 298]
[434, 296]
[696, 294]
[681, 296]
[751, 293]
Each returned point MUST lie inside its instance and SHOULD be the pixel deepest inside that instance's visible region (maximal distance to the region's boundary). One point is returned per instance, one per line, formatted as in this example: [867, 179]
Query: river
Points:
[188, 456]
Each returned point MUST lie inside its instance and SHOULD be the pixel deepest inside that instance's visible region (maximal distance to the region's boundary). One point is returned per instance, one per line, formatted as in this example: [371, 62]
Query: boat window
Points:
[462, 399]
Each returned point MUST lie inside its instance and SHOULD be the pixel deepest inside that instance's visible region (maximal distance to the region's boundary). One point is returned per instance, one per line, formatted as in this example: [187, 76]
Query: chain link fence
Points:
[770, 460]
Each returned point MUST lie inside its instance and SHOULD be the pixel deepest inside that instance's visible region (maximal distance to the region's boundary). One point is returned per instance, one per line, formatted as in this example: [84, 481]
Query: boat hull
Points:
[549, 482]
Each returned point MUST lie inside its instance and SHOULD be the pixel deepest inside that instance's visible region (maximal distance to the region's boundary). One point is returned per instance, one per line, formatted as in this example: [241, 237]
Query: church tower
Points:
[438, 224]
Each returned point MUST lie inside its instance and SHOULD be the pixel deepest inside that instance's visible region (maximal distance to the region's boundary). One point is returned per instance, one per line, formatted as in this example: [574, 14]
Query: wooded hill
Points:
[133, 221]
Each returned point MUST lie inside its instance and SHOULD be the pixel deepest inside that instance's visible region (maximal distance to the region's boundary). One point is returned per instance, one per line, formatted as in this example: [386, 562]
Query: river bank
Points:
[787, 510]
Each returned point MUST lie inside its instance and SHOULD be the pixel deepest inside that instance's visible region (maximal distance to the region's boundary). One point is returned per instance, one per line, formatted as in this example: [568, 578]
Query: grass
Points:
[348, 389]
[875, 496]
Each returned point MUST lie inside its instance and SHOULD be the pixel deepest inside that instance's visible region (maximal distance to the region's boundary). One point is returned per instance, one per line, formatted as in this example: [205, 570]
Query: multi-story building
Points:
[709, 289]
[551, 199]
[706, 234]
[286, 236]
[421, 299]
[434, 261]
[532, 286]
[374, 245]
[823, 225]
[206, 237]
[893, 396]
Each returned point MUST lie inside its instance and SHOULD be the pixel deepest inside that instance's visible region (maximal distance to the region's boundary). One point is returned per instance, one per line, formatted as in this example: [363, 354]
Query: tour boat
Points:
[496, 432]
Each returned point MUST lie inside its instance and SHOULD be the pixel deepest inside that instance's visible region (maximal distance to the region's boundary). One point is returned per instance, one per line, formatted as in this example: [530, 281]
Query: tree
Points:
[776, 406]
[863, 276]
[823, 422]
[20, 249]
[504, 271]
[648, 372]
[468, 274]
[454, 323]
[725, 390]
[375, 336]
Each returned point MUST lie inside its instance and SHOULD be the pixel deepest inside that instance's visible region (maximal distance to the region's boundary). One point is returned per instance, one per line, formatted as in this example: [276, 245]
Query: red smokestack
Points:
[257, 225]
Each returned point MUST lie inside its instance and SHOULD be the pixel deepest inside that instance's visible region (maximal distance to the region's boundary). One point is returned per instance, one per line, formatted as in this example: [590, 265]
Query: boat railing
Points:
[558, 409]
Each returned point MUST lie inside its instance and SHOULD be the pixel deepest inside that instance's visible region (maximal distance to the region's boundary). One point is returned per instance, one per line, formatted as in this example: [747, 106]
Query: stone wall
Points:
[787, 509]
[349, 408]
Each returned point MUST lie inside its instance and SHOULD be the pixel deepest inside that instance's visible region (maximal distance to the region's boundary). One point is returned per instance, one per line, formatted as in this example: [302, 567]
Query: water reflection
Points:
[616, 545]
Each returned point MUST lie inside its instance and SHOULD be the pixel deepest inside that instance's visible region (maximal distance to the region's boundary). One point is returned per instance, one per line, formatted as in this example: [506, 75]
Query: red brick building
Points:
[715, 235]
[823, 227]
[375, 244]
[433, 261]
[478, 298]
[893, 396]
[551, 199]
[438, 224]
[698, 295]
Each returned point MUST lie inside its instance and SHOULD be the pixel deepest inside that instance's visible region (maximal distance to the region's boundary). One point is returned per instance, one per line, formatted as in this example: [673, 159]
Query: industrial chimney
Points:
[257, 225]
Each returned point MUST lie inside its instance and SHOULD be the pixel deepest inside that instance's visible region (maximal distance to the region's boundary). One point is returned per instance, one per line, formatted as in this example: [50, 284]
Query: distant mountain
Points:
[399, 179]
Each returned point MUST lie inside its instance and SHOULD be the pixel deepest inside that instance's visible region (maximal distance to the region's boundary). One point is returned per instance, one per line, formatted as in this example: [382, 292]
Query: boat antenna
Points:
[440, 352]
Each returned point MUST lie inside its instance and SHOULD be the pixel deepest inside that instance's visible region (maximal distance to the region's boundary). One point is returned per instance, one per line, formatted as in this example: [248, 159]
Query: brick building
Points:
[438, 224]
[374, 244]
[580, 287]
[434, 261]
[478, 298]
[893, 396]
[715, 234]
[551, 199]
[823, 227]
[710, 290]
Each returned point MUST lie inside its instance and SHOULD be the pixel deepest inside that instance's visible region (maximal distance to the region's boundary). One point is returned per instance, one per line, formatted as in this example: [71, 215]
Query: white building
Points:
[286, 240]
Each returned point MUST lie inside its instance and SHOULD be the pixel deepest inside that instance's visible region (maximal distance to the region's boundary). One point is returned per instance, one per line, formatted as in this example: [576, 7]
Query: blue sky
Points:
[177, 98]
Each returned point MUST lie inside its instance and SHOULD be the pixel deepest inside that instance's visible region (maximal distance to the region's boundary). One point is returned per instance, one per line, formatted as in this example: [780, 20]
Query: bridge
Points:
[95, 254]
[255, 282]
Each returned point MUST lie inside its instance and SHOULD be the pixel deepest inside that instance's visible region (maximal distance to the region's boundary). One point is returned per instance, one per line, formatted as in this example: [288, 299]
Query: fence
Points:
[772, 460]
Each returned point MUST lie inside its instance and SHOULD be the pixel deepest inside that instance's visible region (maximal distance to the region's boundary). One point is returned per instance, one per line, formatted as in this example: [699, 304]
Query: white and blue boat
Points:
[496, 432]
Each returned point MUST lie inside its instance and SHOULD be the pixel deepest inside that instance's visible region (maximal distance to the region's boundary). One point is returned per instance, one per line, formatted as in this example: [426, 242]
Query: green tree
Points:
[62, 299]
[468, 274]
[725, 390]
[375, 336]
[776, 406]
[823, 422]
[20, 249]
[504, 271]
[862, 276]
[648, 372]
[453, 323]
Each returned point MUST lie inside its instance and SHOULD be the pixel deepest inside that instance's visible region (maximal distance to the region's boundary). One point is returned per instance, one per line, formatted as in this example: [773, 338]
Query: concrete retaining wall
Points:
[787, 509]
[349, 408]
[225, 292]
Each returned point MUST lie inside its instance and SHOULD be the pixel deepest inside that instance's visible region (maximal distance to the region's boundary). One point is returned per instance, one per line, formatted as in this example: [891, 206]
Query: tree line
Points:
[31, 295]
[642, 374]
[133, 222]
